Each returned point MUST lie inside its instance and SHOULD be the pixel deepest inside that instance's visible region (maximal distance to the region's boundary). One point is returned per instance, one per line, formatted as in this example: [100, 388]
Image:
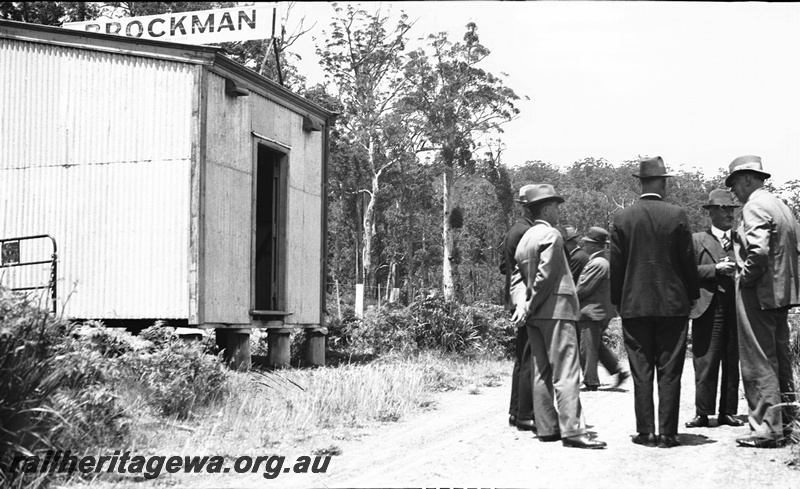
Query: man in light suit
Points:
[653, 281]
[767, 286]
[549, 305]
[594, 294]
[520, 411]
[714, 330]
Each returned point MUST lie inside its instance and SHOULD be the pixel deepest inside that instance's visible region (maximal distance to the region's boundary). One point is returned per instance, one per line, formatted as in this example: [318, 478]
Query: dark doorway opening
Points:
[268, 210]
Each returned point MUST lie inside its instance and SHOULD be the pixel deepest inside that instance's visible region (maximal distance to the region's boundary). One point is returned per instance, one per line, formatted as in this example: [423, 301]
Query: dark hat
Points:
[746, 163]
[570, 232]
[720, 197]
[523, 194]
[652, 168]
[597, 235]
[538, 193]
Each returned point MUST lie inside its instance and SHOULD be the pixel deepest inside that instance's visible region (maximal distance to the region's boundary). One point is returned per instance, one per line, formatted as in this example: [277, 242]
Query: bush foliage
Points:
[66, 386]
[429, 323]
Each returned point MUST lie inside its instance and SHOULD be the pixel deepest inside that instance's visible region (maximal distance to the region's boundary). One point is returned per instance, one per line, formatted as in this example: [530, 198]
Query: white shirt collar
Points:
[542, 221]
[650, 194]
[719, 233]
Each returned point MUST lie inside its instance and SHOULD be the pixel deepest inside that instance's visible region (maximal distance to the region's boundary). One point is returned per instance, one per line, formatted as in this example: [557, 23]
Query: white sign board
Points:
[200, 27]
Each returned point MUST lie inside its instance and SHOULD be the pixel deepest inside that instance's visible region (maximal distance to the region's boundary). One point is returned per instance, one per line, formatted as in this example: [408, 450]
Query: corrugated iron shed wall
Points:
[102, 163]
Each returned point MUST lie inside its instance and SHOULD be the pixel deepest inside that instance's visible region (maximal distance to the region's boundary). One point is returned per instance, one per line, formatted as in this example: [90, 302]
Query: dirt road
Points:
[466, 442]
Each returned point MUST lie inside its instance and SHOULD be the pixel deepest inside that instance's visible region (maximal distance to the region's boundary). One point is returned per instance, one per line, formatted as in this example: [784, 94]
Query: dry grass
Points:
[311, 411]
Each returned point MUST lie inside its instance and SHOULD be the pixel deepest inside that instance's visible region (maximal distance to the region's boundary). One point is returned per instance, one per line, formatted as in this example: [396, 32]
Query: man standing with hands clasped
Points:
[653, 282]
[714, 330]
[767, 286]
[548, 304]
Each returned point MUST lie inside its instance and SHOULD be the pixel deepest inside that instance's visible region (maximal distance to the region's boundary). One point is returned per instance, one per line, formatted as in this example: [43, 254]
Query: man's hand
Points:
[726, 268]
[518, 318]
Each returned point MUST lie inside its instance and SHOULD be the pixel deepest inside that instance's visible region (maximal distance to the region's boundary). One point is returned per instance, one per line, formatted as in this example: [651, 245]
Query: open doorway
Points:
[268, 230]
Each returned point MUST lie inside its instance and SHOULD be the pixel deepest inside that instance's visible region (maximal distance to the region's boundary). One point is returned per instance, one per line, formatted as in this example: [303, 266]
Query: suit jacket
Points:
[509, 264]
[577, 260]
[549, 290]
[653, 272]
[594, 289]
[708, 252]
[767, 251]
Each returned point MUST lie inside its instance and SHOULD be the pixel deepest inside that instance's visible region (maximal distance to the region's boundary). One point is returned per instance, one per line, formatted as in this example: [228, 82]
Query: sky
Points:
[695, 83]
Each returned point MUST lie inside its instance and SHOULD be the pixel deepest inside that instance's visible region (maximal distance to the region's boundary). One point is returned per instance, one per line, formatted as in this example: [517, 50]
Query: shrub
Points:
[177, 378]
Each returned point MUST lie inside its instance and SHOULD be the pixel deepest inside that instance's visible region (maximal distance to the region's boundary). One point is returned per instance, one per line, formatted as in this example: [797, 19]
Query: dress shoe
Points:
[512, 420]
[756, 441]
[668, 441]
[699, 421]
[622, 376]
[583, 441]
[555, 437]
[591, 387]
[646, 439]
[727, 419]
[526, 425]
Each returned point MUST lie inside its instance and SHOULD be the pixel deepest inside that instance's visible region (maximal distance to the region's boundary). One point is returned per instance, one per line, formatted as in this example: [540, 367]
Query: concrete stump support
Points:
[278, 347]
[315, 346]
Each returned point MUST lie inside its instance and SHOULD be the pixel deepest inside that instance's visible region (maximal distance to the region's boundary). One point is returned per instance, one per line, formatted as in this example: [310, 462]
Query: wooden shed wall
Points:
[102, 163]
[227, 207]
[304, 206]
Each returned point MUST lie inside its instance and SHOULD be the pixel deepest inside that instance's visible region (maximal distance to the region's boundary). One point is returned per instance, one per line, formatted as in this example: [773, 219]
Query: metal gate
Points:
[15, 255]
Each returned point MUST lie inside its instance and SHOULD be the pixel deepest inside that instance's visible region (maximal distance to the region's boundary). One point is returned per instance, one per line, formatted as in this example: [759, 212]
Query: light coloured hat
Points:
[720, 197]
[746, 163]
[540, 192]
[597, 234]
[523, 194]
[652, 168]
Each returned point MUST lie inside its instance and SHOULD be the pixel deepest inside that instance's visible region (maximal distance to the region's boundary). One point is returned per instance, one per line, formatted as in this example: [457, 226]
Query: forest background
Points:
[419, 196]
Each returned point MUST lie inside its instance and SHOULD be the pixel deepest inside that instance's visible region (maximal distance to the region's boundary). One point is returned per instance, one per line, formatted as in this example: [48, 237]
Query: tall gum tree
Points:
[364, 61]
[456, 104]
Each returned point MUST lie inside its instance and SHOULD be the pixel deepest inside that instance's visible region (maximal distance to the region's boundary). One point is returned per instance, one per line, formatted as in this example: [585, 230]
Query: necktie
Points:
[726, 242]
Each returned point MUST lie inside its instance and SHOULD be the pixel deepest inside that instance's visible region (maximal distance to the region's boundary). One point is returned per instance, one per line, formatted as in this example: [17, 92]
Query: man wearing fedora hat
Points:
[549, 305]
[578, 258]
[767, 286]
[714, 330]
[520, 411]
[653, 281]
[594, 294]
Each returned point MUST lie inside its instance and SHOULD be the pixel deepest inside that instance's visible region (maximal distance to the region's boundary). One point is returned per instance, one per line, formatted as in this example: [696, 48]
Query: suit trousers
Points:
[521, 404]
[656, 343]
[765, 361]
[556, 375]
[715, 342]
[593, 349]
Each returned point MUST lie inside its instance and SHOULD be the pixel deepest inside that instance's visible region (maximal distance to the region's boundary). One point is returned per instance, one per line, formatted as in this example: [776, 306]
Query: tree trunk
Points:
[369, 231]
[448, 289]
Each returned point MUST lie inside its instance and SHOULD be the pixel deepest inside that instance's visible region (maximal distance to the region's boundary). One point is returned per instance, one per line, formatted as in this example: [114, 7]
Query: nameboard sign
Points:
[199, 27]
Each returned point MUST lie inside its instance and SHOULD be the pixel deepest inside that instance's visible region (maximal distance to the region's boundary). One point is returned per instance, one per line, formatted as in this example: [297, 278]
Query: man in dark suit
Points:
[767, 286]
[653, 281]
[578, 258]
[520, 410]
[714, 330]
[549, 305]
[594, 293]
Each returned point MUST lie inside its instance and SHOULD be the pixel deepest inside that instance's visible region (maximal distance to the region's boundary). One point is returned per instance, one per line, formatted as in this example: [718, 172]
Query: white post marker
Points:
[199, 27]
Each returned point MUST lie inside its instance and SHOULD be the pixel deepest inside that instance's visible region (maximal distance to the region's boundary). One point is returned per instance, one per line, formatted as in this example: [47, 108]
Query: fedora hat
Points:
[538, 193]
[523, 194]
[570, 232]
[652, 168]
[720, 197]
[746, 163]
[597, 235]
